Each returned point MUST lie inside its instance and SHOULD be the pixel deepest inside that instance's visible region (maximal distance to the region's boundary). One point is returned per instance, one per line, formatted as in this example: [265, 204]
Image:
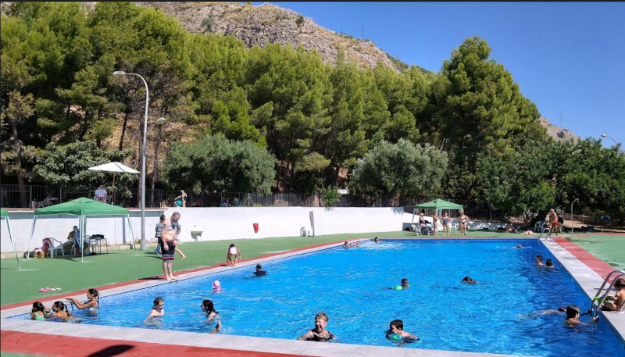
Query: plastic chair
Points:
[538, 227]
[454, 226]
[52, 245]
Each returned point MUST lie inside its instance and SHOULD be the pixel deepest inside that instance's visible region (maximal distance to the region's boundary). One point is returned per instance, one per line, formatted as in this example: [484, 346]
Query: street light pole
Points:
[606, 136]
[145, 131]
[160, 122]
[572, 219]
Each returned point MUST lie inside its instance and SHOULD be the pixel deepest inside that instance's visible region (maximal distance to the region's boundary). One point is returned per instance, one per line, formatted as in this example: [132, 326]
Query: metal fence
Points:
[41, 196]
[36, 196]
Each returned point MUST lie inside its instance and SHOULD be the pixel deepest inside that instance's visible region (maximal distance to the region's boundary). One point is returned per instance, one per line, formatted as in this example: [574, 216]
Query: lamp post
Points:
[606, 136]
[145, 130]
[159, 122]
[573, 220]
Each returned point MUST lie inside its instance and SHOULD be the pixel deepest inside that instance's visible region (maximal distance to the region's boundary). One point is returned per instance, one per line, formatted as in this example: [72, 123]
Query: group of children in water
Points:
[59, 309]
[395, 332]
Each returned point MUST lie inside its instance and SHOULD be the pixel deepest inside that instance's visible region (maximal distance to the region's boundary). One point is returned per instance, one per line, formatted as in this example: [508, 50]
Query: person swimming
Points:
[404, 285]
[319, 332]
[396, 333]
[38, 312]
[211, 315]
[92, 303]
[468, 280]
[59, 310]
[158, 309]
[216, 286]
[259, 271]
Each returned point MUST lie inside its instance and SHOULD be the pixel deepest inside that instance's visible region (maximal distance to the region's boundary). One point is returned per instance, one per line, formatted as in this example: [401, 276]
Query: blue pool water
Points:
[494, 316]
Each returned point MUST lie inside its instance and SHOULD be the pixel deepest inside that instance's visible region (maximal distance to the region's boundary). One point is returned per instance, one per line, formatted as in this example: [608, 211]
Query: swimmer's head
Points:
[216, 286]
[620, 283]
[467, 279]
[208, 306]
[549, 263]
[572, 312]
[258, 267]
[396, 325]
[405, 283]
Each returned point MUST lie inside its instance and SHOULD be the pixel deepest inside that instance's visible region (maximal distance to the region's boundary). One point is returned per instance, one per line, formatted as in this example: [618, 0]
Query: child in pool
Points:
[92, 303]
[572, 316]
[539, 260]
[38, 311]
[468, 280]
[396, 333]
[233, 254]
[211, 315]
[59, 310]
[405, 284]
[158, 309]
[259, 270]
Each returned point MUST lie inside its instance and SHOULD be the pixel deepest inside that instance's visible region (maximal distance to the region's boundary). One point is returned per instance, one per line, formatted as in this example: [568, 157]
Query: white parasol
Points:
[114, 167]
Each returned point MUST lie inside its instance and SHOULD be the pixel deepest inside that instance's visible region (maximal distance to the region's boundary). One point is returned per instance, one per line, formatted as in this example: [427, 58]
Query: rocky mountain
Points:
[558, 133]
[268, 23]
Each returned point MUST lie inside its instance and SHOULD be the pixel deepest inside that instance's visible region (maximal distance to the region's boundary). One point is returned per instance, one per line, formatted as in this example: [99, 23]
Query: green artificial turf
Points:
[122, 265]
[609, 248]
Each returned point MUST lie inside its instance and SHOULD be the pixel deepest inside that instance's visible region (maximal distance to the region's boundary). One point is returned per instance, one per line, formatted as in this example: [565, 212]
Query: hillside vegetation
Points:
[277, 105]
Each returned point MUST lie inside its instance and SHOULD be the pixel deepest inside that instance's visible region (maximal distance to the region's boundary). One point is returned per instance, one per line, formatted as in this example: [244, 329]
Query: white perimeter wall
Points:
[216, 223]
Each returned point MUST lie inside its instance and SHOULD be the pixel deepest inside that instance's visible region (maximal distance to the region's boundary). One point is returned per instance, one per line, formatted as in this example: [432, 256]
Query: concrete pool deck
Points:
[23, 336]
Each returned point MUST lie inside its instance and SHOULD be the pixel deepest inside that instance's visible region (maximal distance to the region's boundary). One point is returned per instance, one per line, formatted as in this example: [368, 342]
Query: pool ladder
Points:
[599, 300]
[545, 230]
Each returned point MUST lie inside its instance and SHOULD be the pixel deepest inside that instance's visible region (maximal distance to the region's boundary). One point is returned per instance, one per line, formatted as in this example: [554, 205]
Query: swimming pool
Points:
[351, 286]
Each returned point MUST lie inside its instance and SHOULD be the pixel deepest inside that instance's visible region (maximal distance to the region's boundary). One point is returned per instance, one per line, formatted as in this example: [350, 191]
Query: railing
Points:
[41, 196]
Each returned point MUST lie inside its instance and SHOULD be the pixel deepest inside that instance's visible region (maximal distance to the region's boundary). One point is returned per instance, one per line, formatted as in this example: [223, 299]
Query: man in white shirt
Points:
[100, 194]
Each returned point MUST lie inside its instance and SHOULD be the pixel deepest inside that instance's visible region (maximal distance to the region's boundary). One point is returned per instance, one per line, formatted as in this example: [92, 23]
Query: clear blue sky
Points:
[568, 58]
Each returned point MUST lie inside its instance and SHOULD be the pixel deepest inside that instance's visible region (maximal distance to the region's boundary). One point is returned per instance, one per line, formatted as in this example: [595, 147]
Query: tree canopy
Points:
[468, 126]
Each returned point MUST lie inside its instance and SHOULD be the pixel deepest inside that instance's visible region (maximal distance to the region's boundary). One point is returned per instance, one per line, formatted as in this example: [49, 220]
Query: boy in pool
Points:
[539, 260]
[549, 264]
[468, 280]
[572, 316]
[259, 271]
[319, 333]
[396, 333]
[405, 284]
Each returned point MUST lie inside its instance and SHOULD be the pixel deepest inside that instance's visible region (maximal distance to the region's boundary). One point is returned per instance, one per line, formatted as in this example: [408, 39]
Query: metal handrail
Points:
[600, 300]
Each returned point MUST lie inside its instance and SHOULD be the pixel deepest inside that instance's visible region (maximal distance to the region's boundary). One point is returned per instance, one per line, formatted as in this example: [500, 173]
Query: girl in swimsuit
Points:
[212, 315]
[59, 310]
[158, 309]
[233, 254]
[446, 224]
[92, 303]
[38, 312]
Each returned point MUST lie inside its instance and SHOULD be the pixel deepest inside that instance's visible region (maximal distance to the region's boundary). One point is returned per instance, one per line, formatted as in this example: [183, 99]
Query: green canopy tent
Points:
[437, 205]
[82, 207]
[5, 216]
